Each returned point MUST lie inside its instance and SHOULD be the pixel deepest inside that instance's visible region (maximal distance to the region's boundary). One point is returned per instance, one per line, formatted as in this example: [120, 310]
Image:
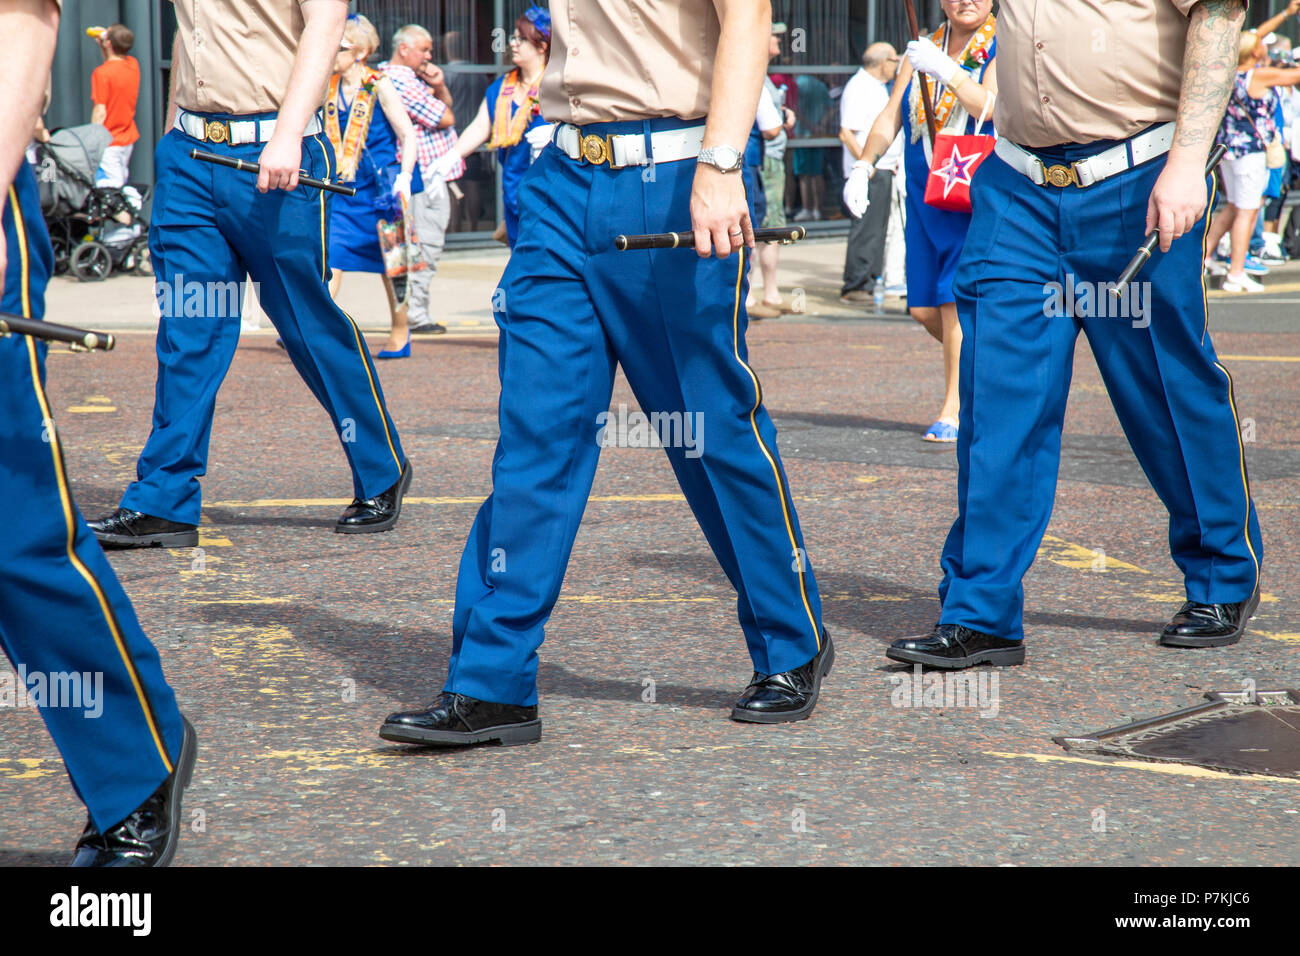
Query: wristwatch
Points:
[725, 159]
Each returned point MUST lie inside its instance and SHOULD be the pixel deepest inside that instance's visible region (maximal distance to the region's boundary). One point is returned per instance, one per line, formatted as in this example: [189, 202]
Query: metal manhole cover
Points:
[1238, 732]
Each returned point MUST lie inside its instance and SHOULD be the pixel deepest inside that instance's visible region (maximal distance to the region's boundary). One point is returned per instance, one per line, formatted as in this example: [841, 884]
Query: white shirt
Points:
[863, 99]
[770, 116]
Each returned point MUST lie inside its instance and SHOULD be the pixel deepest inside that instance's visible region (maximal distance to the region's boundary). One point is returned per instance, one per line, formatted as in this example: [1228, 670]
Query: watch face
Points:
[726, 156]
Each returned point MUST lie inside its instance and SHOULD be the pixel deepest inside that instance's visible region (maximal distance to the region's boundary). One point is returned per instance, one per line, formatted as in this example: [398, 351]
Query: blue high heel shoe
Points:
[403, 352]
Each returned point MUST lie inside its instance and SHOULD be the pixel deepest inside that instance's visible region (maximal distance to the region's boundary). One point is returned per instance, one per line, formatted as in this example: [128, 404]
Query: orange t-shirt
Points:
[115, 84]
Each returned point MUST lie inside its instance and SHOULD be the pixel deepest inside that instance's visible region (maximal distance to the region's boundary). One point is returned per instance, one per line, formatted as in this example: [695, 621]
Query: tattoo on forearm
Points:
[1209, 69]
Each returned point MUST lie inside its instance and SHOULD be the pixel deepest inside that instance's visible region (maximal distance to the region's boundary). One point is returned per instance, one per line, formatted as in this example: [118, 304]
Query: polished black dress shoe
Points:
[125, 528]
[1209, 625]
[376, 514]
[952, 647]
[457, 721]
[148, 836]
[790, 695]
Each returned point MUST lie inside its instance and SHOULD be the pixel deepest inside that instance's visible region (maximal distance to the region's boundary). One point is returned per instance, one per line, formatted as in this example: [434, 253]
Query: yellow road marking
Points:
[472, 500]
[90, 409]
[26, 768]
[1260, 358]
[1284, 637]
[1172, 769]
[1076, 556]
[254, 600]
[1272, 288]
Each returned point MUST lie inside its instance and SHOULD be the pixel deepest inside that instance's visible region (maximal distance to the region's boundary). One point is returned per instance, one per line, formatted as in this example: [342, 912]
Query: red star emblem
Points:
[956, 169]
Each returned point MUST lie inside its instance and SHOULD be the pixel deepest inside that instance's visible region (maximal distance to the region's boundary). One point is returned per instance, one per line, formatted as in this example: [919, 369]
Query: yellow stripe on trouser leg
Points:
[795, 550]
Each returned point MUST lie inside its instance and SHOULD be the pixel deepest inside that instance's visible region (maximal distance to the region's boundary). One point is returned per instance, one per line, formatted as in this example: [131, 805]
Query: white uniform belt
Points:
[1084, 172]
[235, 132]
[628, 149]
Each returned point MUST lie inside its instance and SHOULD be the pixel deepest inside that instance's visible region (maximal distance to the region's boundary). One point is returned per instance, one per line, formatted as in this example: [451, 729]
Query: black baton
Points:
[254, 168]
[1149, 244]
[55, 333]
[672, 240]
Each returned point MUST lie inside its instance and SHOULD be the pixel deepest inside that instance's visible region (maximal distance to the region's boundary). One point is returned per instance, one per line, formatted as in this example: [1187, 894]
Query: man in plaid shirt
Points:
[423, 89]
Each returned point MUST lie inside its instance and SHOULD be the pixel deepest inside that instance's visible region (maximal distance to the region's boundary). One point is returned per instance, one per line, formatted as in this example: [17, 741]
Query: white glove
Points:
[538, 137]
[444, 165]
[930, 60]
[402, 186]
[856, 186]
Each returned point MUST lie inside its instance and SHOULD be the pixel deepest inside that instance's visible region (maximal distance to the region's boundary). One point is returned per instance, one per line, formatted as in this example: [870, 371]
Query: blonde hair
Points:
[361, 34]
[1246, 47]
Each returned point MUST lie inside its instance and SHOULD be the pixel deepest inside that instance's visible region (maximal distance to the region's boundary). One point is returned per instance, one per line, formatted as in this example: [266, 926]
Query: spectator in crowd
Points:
[958, 59]
[863, 100]
[1249, 126]
[114, 89]
[775, 120]
[428, 101]
[467, 87]
[509, 119]
[808, 164]
[1267, 244]
[376, 150]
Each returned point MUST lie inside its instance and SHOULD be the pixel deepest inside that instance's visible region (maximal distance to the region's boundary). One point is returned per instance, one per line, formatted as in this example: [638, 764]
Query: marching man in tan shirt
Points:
[248, 81]
[653, 103]
[1106, 115]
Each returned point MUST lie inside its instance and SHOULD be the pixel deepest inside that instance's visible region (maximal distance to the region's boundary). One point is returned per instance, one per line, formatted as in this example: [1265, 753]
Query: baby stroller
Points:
[86, 221]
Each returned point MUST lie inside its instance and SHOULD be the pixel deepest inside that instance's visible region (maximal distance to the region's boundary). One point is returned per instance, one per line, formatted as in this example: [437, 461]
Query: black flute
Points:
[55, 333]
[1149, 243]
[672, 240]
[254, 168]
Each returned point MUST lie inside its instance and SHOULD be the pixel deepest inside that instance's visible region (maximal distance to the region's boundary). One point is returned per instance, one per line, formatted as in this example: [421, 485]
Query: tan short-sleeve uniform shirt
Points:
[1076, 71]
[235, 56]
[629, 60]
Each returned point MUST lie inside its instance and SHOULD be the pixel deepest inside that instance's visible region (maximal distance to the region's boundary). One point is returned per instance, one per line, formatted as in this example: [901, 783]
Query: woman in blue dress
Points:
[958, 60]
[510, 118]
[376, 150]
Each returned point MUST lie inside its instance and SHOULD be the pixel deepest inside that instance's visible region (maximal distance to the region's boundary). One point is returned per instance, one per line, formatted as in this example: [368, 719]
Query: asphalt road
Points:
[287, 644]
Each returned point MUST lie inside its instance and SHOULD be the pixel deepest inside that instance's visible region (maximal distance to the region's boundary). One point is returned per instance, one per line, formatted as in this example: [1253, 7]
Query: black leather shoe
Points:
[953, 647]
[458, 721]
[1209, 625]
[429, 328]
[125, 528]
[148, 836]
[790, 695]
[376, 514]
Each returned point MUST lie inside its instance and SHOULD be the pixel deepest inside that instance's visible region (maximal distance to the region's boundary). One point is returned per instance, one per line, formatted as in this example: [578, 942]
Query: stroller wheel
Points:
[143, 262]
[61, 254]
[91, 262]
[137, 260]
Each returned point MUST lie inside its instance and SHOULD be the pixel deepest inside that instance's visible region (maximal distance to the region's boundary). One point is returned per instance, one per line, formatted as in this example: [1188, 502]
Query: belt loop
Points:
[649, 149]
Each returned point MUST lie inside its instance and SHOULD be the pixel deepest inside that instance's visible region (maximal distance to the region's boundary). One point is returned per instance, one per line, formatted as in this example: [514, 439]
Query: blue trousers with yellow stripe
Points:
[62, 610]
[210, 227]
[570, 307]
[1028, 244]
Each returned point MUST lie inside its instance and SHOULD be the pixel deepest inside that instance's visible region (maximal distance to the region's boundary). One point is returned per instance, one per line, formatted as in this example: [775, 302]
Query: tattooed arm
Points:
[1209, 66]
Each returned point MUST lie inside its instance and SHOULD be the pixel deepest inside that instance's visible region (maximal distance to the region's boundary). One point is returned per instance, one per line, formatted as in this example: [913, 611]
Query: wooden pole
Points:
[926, 108]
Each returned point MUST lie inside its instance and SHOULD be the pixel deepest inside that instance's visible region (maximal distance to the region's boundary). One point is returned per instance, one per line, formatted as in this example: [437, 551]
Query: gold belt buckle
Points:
[216, 131]
[597, 149]
[1060, 176]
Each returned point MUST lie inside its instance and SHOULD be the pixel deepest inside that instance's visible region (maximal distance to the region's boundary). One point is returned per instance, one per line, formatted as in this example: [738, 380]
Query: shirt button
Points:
[1047, 99]
[573, 52]
[1038, 45]
[575, 101]
[200, 83]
